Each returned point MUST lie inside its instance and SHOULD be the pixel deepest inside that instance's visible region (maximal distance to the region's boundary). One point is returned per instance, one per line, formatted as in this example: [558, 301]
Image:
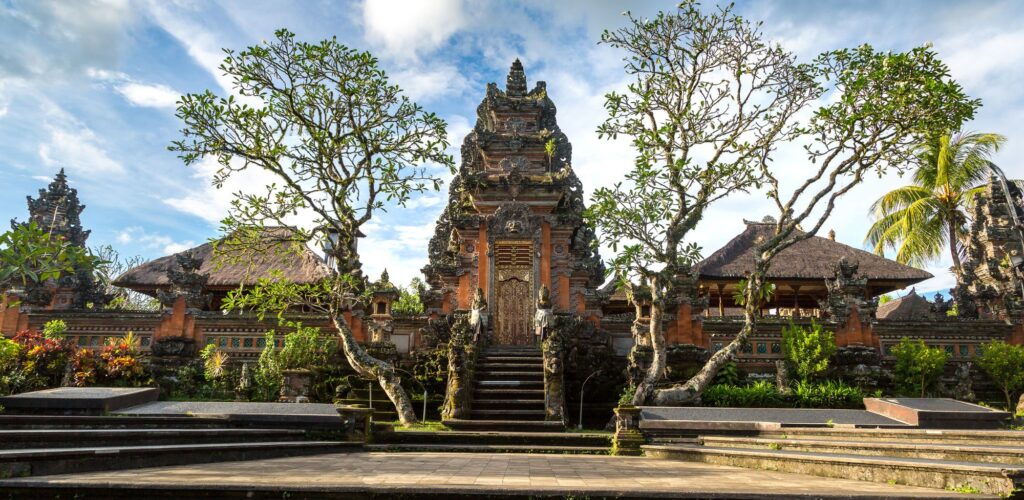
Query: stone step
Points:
[992, 479]
[46, 461]
[511, 359]
[953, 452]
[492, 375]
[511, 393]
[510, 384]
[603, 440]
[508, 414]
[77, 438]
[908, 435]
[491, 404]
[490, 448]
[505, 425]
[510, 367]
[108, 422]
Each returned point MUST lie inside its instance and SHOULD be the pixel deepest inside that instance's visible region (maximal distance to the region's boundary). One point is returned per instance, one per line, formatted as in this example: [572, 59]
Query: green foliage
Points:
[1004, 364]
[921, 219]
[215, 363]
[760, 394]
[11, 377]
[55, 329]
[827, 394]
[268, 375]
[918, 367]
[626, 398]
[729, 374]
[884, 299]
[30, 256]
[808, 349]
[763, 295]
[305, 348]
[409, 301]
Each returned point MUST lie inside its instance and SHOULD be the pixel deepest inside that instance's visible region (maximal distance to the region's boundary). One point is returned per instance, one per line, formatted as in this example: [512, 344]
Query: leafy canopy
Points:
[1004, 364]
[29, 256]
[808, 349]
[918, 367]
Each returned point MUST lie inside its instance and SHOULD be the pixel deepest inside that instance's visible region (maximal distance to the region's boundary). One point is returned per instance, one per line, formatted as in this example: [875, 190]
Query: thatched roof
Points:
[302, 267]
[910, 306]
[814, 258]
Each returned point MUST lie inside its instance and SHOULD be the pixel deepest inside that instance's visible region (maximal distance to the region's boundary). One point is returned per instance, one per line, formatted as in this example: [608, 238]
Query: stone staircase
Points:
[988, 462]
[34, 445]
[508, 393]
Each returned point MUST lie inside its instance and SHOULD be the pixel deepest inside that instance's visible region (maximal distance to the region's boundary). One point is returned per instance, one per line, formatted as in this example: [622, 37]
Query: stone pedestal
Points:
[355, 422]
[295, 388]
[628, 438]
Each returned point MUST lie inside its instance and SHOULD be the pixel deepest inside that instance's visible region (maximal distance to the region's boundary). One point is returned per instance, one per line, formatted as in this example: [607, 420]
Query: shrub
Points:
[808, 349]
[728, 374]
[918, 366]
[268, 376]
[1004, 364]
[11, 376]
[304, 348]
[43, 360]
[761, 394]
[828, 394]
[55, 329]
[121, 362]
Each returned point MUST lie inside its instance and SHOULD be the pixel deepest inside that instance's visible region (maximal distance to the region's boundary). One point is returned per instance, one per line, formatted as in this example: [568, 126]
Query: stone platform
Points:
[271, 414]
[462, 475]
[938, 413]
[79, 400]
[655, 418]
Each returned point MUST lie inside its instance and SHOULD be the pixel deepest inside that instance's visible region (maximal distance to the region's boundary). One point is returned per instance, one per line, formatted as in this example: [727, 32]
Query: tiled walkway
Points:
[490, 473]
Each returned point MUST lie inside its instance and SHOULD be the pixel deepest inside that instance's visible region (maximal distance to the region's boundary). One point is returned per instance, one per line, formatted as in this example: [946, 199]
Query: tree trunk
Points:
[689, 392]
[657, 369]
[953, 250]
[372, 367]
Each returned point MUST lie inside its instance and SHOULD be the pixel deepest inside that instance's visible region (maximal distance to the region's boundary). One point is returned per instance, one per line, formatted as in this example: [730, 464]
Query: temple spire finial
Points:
[515, 85]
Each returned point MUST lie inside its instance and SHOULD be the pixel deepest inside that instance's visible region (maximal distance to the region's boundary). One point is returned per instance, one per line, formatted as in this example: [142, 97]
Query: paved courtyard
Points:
[482, 474]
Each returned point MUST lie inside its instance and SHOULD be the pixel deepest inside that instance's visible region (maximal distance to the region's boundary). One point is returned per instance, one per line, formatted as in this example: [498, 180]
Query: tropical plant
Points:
[827, 394]
[1004, 364]
[43, 359]
[761, 297]
[409, 301]
[268, 376]
[918, 367]
[808, 348]
[30, 256]
[215, 362]
[342, 142]
[760, 394]
[55, 329]
[305, 349]
[921, 219]
[709, 99]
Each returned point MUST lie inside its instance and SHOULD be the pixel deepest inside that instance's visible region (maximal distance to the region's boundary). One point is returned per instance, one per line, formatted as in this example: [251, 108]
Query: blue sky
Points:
[90, 86]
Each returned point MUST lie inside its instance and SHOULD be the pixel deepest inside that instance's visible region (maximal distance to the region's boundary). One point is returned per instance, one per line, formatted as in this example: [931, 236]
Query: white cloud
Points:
[186, 25]
[407, 27]
[428, 82]
[79, 150]
[148, 95]
[153, 241]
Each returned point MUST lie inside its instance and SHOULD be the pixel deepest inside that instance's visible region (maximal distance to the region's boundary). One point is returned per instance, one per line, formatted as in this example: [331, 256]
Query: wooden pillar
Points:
[721, 301]
[796, 300]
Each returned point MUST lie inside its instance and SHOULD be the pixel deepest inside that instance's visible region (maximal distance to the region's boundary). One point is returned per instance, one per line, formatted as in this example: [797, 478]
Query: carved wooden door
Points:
[513, 265]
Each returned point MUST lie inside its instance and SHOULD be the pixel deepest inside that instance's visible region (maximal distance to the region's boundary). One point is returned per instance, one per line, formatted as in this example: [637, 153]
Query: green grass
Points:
[964, 488]
[429, 425]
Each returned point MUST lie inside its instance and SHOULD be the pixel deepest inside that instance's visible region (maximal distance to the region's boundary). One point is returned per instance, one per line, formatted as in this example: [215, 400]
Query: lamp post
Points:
[1017, 261]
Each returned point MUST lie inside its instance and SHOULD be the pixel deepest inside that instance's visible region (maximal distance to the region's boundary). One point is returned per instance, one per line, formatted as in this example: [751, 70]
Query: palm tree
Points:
[922, 219]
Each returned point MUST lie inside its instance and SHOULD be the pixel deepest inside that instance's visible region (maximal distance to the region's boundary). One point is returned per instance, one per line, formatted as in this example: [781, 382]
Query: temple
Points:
[512, 240]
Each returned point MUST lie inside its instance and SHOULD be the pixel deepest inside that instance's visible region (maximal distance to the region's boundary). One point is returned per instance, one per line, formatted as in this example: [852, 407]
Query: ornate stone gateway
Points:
[513, 264]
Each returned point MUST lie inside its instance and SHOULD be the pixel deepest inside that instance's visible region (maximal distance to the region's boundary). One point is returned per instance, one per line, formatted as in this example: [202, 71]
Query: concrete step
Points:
[992, 479]
[512, 359]
[46, 461]
[505, 425]
[483, 375]
[907, 435]
[508, 414]
[509, 384]
[512, 393]
[491, 448]
[497, 438]
[493, 404]
[12, 422]
[1009, 455]
[509, 367]
[77, 438]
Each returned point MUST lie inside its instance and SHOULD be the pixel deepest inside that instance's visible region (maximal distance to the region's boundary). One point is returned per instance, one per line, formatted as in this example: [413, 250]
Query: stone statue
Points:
[243, 392]
[964, 389]
[478, 316]
[544, 317]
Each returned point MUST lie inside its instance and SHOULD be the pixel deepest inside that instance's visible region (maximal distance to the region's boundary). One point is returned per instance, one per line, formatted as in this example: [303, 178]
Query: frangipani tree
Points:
[709, 101]
[341, 141]
[878, 107]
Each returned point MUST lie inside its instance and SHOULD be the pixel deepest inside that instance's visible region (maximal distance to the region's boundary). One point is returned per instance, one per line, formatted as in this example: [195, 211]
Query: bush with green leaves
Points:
[1004, 364]
[918, 367]
[808, 349]
[11, 376]
[827, 394]
[305, 349]
[760, 394]
[268, 375]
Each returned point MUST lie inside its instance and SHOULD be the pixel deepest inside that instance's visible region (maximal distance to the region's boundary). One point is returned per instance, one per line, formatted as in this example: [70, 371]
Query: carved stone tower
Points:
[514, 217]
[57, 211]
[989, 285]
